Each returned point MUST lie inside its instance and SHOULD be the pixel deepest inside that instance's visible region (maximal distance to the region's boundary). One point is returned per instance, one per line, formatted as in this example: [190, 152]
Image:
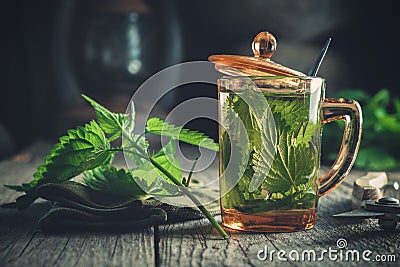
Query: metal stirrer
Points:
[314, 70]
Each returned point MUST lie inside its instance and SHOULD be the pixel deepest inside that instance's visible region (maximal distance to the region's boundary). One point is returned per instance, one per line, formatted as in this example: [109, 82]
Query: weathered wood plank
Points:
[196, 244]
[360, 235]
[23, 244]
[186, 244]
[18, 229]
[103, 249]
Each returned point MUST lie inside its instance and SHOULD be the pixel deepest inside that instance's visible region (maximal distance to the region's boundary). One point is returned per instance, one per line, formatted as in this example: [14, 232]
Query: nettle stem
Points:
[184, 190]
[191, 173]
[192, 198]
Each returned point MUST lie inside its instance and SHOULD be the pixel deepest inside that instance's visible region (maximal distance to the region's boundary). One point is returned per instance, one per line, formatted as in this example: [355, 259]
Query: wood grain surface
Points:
[193, 243]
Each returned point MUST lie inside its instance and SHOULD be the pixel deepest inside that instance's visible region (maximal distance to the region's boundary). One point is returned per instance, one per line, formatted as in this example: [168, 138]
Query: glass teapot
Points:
[271, 120]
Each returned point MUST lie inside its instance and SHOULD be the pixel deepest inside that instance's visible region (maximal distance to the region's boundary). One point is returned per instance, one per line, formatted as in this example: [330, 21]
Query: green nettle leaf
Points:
[108, 179]
[281, 173]
[298, 200]
[305, 134]
[238, 137]
[396, 102]
[152, 179]
[293, 158]
[166, 158]
[356, 94]
[237, 160]
[84, 148]
[380, 99]
[294, 113]
[381, 128]
[292, 166]
[87, 150]
[160, 127]
[111, 123]
[137, 144]
[245, 113]
[375, 158]
[129, 120]
[259, 128]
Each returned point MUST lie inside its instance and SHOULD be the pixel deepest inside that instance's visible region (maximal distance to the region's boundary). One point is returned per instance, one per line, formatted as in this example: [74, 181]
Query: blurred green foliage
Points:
[380, 143]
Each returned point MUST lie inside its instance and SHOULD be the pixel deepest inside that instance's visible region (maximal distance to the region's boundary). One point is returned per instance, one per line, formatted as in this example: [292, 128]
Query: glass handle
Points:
[350, 112]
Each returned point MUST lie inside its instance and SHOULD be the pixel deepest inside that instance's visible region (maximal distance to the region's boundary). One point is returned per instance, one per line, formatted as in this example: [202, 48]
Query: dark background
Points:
[51, 51]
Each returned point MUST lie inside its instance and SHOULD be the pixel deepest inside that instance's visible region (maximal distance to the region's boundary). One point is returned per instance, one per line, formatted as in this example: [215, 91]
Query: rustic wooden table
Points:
[185, 244]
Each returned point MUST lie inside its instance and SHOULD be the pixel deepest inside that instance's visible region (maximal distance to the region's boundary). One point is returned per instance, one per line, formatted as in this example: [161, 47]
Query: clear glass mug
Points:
[270, 143]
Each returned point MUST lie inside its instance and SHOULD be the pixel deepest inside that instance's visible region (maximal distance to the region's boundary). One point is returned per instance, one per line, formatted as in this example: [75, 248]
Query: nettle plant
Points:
[87, 150]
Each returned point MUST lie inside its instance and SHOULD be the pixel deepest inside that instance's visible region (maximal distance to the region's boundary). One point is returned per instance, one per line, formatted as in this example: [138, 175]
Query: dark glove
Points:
[77, 207]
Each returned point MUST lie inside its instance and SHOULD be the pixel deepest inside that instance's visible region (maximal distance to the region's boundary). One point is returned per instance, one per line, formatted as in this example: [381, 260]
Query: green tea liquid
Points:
[286, 200]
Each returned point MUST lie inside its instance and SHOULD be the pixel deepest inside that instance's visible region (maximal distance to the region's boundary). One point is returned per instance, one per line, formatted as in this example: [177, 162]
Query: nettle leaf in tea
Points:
[291, 166]
[288, 172]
